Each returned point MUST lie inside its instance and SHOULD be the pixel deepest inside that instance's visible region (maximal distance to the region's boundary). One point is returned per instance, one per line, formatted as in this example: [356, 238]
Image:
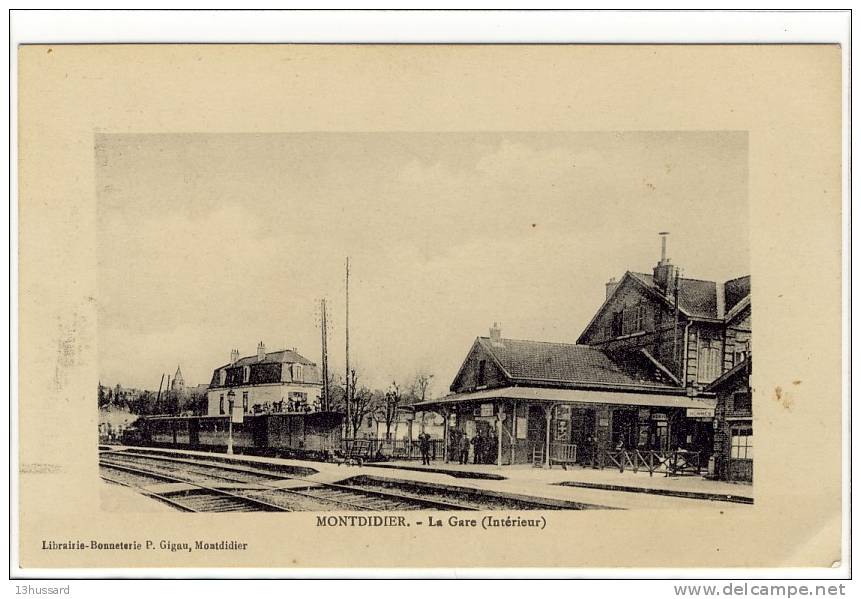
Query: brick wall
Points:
[467, 378]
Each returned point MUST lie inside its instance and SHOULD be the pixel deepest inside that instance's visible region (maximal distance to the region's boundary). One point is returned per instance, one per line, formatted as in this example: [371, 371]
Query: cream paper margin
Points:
[787, 97]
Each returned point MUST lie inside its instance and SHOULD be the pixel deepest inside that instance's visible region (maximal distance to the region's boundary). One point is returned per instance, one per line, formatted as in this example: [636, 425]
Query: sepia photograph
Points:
[429, 310]
[349, 322]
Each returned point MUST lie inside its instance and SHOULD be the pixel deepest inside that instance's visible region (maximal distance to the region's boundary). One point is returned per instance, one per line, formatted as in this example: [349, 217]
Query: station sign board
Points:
[487, 409]
[700, 412]
[238, 415]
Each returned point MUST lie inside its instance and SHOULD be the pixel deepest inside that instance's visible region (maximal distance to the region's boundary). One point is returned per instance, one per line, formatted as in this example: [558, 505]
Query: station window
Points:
[297, 373]
[633, 319]
[482, 367]
[741, 446]
[741, 401]
[222, 377]
[246, 374]
[616, 325]
[221, 405]
[245, 401]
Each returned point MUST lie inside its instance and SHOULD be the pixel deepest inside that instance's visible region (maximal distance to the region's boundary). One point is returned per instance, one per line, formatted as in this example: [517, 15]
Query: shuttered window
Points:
[708, 368]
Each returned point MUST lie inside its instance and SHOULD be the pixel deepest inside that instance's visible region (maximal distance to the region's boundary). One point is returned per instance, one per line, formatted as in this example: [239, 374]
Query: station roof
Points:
[742, 368]
[543, 362]
[698, 298]
[542, 394]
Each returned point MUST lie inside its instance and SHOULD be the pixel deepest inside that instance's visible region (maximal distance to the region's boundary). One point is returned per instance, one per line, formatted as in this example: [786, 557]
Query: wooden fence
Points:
[398, 449]
[671, 463]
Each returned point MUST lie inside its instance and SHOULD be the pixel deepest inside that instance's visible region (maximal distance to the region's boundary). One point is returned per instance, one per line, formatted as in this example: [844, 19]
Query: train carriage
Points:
[301, 435]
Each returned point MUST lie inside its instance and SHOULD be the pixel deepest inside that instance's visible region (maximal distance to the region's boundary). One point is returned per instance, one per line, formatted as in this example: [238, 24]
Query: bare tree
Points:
[421, 386]
[393, 398]
[420, 390]
[362, 402]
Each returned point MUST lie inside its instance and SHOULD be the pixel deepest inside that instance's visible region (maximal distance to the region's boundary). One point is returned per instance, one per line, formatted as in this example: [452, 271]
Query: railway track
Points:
[197, 498]
[261, 486]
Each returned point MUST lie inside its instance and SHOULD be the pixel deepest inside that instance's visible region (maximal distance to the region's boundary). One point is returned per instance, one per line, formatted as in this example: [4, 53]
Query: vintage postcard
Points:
[429, 306]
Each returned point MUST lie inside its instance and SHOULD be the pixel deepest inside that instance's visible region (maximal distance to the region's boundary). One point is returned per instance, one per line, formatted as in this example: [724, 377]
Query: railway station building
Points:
[275, 382]
[635, 385]
[733, 448]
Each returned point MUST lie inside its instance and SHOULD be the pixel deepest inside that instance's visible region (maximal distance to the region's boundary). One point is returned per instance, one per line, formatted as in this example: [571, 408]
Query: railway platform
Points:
[609, 489]
[693, 487]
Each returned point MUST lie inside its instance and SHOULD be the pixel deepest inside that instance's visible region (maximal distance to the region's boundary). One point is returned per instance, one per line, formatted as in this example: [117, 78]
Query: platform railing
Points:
[671, 463]
[398, 449]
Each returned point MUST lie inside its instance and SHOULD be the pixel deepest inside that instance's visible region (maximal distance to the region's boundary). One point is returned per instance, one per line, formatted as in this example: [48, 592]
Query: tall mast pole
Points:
[325, 357]
[347, 387]
[158, 397]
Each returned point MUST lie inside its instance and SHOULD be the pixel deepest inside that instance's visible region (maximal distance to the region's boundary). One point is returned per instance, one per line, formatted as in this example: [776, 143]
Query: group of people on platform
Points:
[484, 445]
[289, 406]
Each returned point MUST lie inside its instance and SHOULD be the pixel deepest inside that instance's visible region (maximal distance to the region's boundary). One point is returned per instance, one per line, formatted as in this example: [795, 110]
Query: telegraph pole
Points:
[325, 356]
[347, 386]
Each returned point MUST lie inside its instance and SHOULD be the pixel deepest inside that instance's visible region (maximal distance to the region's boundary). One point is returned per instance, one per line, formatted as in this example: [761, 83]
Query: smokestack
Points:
[261, 351]
[234, 356]
[611, 286]
[496, 334]
[664, 271]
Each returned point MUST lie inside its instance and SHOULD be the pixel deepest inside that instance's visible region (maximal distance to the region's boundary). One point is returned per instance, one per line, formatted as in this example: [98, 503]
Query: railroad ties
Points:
[197, 484]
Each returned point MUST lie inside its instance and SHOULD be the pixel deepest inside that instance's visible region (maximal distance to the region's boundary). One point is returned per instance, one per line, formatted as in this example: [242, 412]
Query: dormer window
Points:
[297, 373]
[246, 374]
[222, 377]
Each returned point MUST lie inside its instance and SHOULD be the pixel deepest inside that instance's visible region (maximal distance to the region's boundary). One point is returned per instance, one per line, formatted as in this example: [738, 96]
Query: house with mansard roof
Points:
[280, 381]
[636, 379]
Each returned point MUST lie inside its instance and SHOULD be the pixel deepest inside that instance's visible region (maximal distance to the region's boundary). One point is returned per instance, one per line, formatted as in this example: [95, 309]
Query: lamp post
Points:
[230, 397]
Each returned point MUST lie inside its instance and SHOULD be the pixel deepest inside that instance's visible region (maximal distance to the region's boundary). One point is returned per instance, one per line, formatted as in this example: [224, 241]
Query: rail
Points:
[311, 492]
[258, 504]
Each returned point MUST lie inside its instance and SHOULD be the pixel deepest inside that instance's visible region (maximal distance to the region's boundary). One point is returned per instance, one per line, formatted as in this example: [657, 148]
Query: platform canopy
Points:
[540, 394]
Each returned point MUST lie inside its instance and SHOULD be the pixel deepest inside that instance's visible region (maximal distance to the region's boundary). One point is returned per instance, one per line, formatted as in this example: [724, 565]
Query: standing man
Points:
[478, 449]
[464, 449]
[424, 446]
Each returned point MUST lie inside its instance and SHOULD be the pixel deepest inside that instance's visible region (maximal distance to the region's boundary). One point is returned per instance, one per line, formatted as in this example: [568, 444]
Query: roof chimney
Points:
[234, 356]
[496, 334]
[612, 284]
[664, 271]
[261, 352]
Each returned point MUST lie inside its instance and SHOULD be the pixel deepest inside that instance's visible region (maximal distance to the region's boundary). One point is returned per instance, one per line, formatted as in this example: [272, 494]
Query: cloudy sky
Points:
[209, 242]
